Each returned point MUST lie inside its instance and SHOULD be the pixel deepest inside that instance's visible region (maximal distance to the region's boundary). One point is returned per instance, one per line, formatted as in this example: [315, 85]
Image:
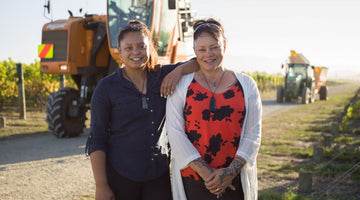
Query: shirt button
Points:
[152, 159]
[152, 122]
[151, 110]
[147, 98]
[152, 134]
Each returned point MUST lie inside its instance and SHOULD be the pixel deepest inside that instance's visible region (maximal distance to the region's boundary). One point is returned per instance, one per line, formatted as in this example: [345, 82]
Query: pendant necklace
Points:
[212, 106]
[143, 99]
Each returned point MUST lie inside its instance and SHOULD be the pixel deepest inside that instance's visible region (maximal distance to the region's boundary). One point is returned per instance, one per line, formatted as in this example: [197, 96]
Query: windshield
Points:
[297, 69]
[121, 11]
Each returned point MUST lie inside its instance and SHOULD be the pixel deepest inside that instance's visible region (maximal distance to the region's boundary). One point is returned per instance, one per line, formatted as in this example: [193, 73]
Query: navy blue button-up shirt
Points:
[127, 132]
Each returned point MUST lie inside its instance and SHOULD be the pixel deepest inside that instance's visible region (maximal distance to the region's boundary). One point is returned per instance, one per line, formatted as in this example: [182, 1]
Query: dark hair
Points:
[138, 26]
[211, 26]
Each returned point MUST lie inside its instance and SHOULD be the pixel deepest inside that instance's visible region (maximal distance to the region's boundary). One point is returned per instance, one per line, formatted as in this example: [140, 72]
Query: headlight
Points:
[63, 67]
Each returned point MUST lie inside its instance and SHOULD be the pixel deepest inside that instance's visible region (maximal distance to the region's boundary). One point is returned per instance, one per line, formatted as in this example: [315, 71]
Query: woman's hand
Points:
[219, 180]
[104, 193]
[169, 82]
[98, 164]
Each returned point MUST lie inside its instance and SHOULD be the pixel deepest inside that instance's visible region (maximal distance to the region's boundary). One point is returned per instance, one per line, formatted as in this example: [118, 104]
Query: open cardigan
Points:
[183, 151]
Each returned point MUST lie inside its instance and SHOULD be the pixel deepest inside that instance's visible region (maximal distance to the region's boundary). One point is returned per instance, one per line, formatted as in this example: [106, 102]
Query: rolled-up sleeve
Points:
[181, 147]
[100, 119]
[250, 142]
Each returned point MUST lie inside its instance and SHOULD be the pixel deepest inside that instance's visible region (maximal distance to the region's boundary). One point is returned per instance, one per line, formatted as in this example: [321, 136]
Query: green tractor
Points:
[302, 80]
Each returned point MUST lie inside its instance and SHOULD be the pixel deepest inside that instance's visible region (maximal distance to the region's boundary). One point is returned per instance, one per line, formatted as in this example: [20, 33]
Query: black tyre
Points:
[323, 93]
[280, 94]
[61, 121]
[305, 95]
[48, 111]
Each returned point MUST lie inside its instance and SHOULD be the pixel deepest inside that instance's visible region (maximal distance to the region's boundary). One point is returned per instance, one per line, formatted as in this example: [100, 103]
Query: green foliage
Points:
[287, 168]
[303, 153]
[269, 195]
[344, 162]
[290, 195]
[7, 81]
[331, 170]
[352, 116]
[335, 170]
[274, 195]
[342, 139]
[266, 82]
[273, 164]
[37, 85]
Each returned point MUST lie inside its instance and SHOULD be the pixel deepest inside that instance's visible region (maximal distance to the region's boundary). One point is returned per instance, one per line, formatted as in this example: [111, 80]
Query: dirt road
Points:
[44, 167]
[270, 106]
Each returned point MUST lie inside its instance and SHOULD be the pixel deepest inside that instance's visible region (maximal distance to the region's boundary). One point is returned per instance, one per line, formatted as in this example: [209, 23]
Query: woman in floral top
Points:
[214, 125]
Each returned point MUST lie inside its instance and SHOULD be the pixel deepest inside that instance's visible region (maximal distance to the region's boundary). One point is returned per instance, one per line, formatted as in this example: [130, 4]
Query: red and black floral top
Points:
[215, 135]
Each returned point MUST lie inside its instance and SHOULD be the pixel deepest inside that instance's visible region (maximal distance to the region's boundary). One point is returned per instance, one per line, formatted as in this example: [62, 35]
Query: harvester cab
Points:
[301, 80]
[85, 48]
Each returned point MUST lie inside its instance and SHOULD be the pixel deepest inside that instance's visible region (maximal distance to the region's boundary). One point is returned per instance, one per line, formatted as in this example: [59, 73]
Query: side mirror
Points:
[172, 4]
[282, 66]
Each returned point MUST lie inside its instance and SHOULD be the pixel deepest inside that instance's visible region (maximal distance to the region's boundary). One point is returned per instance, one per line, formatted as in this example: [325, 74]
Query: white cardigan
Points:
[183, 151]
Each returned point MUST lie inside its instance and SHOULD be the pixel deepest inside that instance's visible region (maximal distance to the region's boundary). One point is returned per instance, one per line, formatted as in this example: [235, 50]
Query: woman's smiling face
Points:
[209, 51]
[134, 50]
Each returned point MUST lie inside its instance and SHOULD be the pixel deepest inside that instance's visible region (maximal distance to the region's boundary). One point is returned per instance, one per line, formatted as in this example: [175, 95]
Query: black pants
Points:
[125, 189]
[196, 190]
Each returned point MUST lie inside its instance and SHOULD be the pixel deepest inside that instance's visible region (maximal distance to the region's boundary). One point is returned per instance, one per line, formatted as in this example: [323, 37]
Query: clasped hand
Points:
[219, 180]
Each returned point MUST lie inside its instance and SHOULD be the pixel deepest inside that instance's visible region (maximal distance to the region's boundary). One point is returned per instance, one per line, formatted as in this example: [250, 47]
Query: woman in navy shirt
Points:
[127, 117]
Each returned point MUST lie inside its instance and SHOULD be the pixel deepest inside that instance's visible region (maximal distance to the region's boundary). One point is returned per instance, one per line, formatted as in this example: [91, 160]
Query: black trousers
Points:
[126, 189]
[196, 190]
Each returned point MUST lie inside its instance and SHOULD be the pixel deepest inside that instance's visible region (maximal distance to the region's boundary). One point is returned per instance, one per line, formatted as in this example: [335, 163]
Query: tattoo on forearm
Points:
[234, 168]
[237, 164]
[200, 163]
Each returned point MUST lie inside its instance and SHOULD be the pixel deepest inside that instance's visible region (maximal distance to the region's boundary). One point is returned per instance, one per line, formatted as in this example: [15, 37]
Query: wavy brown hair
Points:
[138, 26]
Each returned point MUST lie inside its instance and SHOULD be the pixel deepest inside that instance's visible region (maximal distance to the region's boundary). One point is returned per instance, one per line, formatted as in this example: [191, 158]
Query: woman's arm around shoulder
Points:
[171, 79]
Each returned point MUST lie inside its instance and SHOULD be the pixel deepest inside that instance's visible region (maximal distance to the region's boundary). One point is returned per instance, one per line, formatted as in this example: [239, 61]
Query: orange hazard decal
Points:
[46, 51]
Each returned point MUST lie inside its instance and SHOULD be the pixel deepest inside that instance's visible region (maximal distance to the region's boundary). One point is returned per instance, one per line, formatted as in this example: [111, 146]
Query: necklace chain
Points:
[143, 99]
[143, 84]
[212, 105]
[216, 85]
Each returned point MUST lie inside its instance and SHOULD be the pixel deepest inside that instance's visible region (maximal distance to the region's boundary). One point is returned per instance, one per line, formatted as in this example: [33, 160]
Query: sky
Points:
[260, 33]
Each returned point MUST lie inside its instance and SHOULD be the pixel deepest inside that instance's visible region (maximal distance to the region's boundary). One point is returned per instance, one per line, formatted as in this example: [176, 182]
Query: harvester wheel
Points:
[323, 93]
[60, 122]
[305, 95]
[280, 94]
[48, 111]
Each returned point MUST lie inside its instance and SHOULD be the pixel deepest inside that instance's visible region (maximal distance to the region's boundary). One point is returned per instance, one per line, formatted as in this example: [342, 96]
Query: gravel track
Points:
[44, 167]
